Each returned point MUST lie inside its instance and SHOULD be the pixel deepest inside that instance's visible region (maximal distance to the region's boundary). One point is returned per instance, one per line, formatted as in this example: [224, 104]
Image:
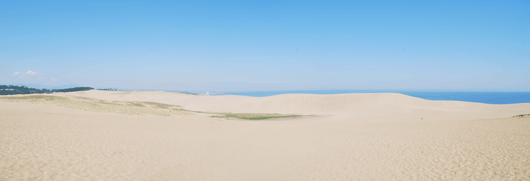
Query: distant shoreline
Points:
[467, 96]
[487, 97]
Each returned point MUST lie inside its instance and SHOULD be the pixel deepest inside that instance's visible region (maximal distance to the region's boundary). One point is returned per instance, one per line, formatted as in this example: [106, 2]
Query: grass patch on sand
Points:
[522, 115]
[254, 116]
[35, 98]
[159, 105]
[133, 107]
[96, 105]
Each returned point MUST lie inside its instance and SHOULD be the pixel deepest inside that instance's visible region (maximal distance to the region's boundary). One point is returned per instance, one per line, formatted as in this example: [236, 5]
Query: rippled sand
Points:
[105, 135]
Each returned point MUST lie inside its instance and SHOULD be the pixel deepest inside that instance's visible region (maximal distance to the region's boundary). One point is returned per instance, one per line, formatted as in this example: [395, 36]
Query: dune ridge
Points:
[340, 137]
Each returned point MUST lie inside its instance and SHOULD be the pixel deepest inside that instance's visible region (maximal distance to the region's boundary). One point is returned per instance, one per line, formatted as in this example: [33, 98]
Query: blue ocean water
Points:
[480, 97]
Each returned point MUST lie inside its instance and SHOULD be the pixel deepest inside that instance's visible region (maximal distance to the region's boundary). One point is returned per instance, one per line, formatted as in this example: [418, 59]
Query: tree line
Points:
[13, 89]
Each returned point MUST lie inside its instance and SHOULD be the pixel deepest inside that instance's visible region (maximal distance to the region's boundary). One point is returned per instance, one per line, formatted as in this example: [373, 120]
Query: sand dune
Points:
[140, 135]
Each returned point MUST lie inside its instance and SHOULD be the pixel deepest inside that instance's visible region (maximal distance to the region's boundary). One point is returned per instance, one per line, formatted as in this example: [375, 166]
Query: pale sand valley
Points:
[149, 135]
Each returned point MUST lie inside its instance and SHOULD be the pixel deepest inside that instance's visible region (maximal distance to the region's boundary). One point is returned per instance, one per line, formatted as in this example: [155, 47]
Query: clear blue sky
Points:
[268, 45]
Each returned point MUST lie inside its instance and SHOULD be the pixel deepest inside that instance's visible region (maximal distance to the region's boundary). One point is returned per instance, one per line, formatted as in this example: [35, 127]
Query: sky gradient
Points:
[267, 45]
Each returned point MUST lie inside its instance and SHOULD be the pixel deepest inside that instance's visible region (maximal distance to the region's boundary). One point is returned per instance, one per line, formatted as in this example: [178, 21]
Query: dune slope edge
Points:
[350, 137]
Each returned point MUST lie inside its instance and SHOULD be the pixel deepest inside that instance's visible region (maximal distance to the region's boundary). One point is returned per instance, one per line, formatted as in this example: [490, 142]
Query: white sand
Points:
[347, 137]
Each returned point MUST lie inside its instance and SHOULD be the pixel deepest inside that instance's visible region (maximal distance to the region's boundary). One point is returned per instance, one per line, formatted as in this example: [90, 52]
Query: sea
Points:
[480, 97]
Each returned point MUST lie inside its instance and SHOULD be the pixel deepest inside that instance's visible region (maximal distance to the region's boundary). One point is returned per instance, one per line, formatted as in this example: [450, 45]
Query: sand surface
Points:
[111, 135]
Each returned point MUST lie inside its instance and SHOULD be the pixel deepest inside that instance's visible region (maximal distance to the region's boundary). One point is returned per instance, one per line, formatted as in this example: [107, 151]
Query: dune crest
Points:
[359, 106]
[341, 137]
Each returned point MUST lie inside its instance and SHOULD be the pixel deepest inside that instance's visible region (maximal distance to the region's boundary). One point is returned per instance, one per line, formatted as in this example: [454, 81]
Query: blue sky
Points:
[267, 45]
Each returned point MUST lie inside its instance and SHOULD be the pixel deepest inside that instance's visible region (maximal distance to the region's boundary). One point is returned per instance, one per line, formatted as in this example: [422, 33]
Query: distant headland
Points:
[13, 89]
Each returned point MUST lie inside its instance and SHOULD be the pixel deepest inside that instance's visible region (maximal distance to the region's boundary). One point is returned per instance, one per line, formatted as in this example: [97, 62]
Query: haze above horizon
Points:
[267, 45]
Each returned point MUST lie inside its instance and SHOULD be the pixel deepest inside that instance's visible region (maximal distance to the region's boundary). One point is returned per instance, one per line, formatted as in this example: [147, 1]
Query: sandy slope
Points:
[349, 137]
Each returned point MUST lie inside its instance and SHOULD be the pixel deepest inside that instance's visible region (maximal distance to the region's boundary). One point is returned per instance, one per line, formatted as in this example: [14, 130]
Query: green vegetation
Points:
[158, 105]
[96, 105]
[12, 90]
[35, 98]
[522, 115]
[132, 107]
[254, 116]
[109, 89]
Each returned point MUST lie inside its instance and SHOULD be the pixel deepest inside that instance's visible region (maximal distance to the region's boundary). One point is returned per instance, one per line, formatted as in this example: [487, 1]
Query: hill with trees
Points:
[13, 89]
